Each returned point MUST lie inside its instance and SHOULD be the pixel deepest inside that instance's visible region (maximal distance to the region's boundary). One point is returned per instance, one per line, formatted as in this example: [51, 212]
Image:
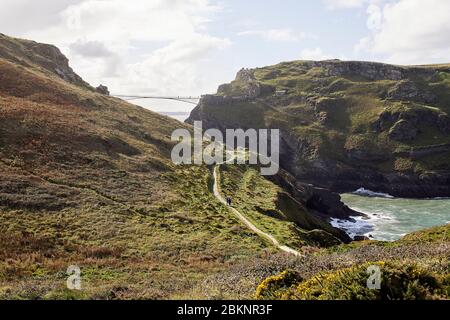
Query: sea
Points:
[180, 116]
[389, 218]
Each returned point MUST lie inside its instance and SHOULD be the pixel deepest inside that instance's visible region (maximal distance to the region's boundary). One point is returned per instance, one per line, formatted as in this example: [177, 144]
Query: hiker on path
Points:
[229, 201]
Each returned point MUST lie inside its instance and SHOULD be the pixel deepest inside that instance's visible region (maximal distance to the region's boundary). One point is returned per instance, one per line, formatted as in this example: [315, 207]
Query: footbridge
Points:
[186, 99]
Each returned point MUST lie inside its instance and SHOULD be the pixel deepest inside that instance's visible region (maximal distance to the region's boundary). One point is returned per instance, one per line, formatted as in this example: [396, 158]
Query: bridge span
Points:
[189, 99]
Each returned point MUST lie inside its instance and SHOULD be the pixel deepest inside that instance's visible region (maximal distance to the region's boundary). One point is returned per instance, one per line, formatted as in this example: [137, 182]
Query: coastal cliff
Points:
[347, 124]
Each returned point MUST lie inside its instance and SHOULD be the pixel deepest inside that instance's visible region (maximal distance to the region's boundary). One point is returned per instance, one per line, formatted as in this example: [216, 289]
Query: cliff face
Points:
[347, 125]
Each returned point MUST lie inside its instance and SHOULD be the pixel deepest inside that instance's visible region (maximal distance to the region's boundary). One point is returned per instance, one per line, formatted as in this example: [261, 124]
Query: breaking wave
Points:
[373, 194]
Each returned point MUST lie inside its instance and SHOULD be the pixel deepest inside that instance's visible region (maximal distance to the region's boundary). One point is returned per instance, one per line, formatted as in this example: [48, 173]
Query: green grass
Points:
[272, 210]
[87, 180]
[256, 198]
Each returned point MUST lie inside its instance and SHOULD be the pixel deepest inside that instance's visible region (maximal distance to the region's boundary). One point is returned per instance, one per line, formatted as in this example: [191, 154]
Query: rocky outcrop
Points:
[403, 124]
[361, 238]
[403, 130]
[295, 210]
[320, 200]
[245, 75]
[370, 70]
[406, 90]
[246, 87]
[102, 89]
[33, 54]
[323, 107]
[398, 184]
[324, 239]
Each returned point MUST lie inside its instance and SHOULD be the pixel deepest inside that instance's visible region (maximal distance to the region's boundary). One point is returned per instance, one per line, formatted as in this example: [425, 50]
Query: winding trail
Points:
[247, 222]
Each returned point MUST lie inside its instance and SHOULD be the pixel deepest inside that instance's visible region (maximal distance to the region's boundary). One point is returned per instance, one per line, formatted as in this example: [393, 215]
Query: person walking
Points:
[229, 201]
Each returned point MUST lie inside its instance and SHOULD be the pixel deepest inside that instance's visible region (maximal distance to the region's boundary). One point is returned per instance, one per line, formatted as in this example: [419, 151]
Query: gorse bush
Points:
[398, 282]
[273, 287]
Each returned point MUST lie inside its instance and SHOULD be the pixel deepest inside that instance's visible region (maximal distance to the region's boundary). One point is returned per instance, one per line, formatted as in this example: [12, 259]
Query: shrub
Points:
[272, 287]
[398, 282]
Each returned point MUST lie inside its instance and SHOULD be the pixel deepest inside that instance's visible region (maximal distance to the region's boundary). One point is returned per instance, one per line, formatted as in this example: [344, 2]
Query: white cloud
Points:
[314, 54]
[284, 35]
[19, 16]
[409, 31]
[375, 17]
[90, 49]
[174, 69]
[124, 44]
[350, 4]
[344, 4]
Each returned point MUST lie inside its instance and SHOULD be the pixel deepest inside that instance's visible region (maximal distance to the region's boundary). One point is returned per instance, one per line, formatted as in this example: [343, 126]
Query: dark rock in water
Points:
[361, 238]
[102, 89]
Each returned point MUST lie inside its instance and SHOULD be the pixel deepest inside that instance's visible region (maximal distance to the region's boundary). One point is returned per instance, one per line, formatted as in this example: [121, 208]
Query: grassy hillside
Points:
[87, 180]
[274, 210]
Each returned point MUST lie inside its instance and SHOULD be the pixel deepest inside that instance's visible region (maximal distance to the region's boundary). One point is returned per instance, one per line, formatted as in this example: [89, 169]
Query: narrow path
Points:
[247, 222]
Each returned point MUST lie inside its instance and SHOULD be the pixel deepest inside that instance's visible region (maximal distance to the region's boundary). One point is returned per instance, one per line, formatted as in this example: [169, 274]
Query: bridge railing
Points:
[187, 99]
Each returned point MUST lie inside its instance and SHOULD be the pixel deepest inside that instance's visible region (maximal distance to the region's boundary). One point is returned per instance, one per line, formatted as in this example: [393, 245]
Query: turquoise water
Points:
[389, 219]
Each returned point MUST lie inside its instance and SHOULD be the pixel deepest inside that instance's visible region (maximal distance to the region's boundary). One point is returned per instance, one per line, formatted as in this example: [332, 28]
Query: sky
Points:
[190, 47]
